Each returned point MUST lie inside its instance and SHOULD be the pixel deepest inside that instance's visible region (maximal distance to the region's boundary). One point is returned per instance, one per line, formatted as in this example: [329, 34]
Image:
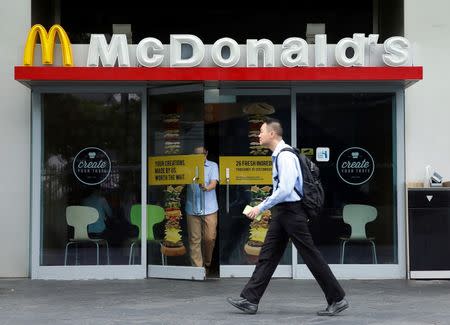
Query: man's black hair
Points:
[275, 125]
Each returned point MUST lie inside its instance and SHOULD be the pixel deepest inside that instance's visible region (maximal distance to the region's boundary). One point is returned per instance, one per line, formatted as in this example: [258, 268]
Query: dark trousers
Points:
[289, 221]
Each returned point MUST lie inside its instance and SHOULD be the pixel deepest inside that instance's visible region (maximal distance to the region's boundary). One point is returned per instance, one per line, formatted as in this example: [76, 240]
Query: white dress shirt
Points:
[284, 180]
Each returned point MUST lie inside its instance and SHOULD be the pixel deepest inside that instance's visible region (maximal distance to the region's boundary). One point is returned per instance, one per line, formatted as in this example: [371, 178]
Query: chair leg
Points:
[344, 242]
[130, 259]
[374, 253]
[163, 257]
[98, 254]
[163, 261]
[65, 255]
[134, 256]
[107, 252]
[77, 260]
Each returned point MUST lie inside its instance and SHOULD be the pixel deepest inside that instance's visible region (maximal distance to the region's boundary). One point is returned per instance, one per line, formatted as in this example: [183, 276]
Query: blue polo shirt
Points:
[196, 197]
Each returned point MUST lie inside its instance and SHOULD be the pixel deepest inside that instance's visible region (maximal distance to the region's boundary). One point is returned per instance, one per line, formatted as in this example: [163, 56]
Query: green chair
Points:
[357, 216]
[79, 217]
[155, 214]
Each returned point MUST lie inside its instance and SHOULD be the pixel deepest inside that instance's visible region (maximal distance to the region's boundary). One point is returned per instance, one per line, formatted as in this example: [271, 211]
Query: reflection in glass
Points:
[358, 223]
[90, 177]
[258, 228]
[175, 127]
[238, 127]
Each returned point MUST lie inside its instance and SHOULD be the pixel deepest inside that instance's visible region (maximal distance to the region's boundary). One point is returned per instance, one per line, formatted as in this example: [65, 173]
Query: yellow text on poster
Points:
[246, 170]
[176, 169]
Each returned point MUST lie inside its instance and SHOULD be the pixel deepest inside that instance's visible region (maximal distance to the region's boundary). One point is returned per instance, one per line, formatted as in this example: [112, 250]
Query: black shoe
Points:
[244, 305]
[334, 309]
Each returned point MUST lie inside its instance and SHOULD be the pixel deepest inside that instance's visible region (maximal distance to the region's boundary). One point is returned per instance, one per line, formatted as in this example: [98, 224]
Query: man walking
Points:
[289, 221]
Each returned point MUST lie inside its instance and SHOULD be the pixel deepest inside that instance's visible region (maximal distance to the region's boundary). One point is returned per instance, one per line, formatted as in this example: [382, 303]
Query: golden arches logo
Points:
[47, 45]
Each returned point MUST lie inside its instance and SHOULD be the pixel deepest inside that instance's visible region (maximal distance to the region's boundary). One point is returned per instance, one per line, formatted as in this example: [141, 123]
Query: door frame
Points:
[75, 272]
[139, 271]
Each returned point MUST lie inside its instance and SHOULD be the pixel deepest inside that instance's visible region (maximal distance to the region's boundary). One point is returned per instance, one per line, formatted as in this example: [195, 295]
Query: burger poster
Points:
[172, 244]
[246, 170]
[175, 169]
[258, 228]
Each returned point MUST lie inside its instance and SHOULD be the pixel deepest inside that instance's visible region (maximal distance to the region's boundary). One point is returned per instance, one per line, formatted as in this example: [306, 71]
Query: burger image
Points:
[258, 109]
[171, 124]
[258, 232]
[171, 118]
[257, 150]
[258, 228]
[172, 244]
[254, 125]
[172, 147]
[171, 135]
[253, 136]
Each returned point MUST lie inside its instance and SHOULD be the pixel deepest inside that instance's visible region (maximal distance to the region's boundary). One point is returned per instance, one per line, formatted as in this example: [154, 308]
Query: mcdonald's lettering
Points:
[150, 52]
[47, 45]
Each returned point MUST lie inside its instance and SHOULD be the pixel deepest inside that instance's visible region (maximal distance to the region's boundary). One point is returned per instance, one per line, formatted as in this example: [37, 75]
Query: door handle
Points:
[194, 188]
[194, 180]
[227, 177]
[202, 194]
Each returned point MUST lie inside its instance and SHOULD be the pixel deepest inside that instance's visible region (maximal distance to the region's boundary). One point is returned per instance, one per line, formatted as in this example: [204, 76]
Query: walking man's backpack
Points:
[313, 195]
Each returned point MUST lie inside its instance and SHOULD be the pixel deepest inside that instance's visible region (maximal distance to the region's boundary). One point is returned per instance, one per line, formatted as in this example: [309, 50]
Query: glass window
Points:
[90, 177]
[350, 137]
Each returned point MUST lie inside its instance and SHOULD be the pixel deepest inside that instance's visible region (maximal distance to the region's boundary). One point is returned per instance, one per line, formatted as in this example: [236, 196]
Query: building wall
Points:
[427, 117]
[428, 101]
[15, 18]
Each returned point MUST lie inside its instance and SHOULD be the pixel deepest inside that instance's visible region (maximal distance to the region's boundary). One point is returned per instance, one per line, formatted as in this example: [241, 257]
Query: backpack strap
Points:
[289, 149]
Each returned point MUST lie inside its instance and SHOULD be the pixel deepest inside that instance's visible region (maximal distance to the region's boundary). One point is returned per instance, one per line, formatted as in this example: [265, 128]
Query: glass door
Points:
[232, 126]
[177, 207]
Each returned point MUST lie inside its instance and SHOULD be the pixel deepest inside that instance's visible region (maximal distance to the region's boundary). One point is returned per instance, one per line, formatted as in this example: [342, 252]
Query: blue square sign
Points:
[322, 154]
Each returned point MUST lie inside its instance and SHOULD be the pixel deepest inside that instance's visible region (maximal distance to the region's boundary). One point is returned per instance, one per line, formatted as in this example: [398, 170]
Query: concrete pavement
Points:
[157, 301]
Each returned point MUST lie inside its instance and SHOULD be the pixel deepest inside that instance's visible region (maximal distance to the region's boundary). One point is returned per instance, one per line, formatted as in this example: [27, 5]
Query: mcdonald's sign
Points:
[47, 45]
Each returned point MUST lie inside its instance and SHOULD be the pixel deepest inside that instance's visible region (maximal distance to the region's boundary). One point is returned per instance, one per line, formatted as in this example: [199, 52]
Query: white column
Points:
[15, 21]
[428, 101]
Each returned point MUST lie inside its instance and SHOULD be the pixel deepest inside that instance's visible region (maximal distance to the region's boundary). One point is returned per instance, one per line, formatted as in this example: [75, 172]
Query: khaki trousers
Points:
[202, 232]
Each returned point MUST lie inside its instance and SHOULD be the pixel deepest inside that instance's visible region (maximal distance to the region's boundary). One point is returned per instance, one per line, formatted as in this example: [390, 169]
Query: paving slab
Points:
[159, 301]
